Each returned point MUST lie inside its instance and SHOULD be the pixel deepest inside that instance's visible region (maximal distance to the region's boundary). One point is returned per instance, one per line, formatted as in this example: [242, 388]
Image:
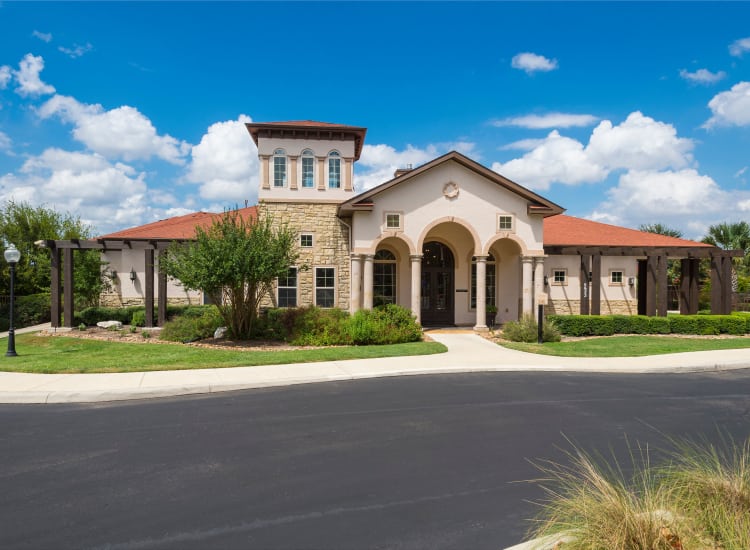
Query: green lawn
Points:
[629, 346]
[60, 354]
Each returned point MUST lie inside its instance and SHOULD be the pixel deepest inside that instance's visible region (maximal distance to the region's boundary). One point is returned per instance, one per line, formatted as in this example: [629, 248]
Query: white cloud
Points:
[4, 76]
[123, 132]
[4, 142]
[730, 108]
[531, 63]
[668, 197]
[225, 163]
[522, 144]
[702, 76]
[740, 172]
[550, 120]
[738, 47]
[27, 77]
[77, 50]
[638, 143]
[43, 36]
[555, 159]
[378, 162]
[106, 195]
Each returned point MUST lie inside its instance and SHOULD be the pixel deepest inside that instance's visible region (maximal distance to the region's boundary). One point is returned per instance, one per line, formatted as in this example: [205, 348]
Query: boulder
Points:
[109, 324]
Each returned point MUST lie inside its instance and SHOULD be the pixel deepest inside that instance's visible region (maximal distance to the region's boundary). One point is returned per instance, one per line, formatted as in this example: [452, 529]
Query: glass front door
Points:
[437, 284]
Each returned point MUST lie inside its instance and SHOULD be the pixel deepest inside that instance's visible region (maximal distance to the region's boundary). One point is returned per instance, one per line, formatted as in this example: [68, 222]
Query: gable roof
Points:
[565, 230]
[303, 129]
[176, 228]
[537, 203]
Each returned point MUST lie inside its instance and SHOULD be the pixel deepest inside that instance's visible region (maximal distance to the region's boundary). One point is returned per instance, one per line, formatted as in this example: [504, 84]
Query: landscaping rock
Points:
[109, 324]
[220, 332]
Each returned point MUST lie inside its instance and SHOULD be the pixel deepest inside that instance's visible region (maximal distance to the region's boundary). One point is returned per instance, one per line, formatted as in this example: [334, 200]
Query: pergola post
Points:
[596, 284]
[55, 287]
[651, 284]
[716, 285]
[584, 283]
[727, 290]
[68, 288]
[149, 290]
[662, 296]
[162, 292]
[689, 286]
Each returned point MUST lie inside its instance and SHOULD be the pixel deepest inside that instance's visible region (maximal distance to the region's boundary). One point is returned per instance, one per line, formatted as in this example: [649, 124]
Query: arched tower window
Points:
[308, 168]
[334, 170]
[384, 278]
[279, 168]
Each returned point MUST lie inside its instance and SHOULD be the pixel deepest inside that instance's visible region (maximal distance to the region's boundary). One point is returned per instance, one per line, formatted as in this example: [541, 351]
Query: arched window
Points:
[334, 170]
[308, 168]
[384, 278]
[490, 279]
[279, 168]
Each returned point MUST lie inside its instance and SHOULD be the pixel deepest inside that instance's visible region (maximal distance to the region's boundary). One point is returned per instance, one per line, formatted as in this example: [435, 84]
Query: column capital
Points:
[355, 256]
[368, 257]
[482, 259]
[415, 257]
[527, 259]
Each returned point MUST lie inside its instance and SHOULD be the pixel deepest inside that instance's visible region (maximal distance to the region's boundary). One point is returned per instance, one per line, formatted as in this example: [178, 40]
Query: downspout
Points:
[349, 227]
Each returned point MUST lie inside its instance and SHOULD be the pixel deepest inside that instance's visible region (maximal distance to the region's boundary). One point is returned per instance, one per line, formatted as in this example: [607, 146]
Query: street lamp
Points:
[12, 255]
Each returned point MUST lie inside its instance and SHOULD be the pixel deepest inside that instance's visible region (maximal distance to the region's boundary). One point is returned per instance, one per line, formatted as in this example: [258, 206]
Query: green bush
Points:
[389, 324]
[732, 324]
[527, 330]
[659, 325]
[584, 325]
[138, 318]
[189, 328]
[30, 310]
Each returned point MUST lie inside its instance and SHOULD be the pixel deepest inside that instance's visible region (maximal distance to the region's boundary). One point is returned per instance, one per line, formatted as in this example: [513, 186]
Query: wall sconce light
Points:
[631, 281]
[546, 281]
[133, 275]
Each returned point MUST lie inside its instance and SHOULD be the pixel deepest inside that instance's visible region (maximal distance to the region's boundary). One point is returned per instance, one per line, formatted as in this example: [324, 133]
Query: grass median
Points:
[629, 346]
[65, 355]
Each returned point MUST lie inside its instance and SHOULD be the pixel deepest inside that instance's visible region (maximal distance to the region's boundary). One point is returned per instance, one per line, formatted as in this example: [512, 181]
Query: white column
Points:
[367, 281]
[481, 290]
[538, 277]
[356, 284]
[526, 287]
[416, 286]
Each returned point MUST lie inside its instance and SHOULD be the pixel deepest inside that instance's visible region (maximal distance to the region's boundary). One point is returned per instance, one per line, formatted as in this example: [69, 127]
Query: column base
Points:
[481, 328]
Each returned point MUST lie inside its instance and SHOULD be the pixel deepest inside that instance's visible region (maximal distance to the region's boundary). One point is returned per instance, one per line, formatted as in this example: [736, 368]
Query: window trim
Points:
[501, 216]
[296, 287]
[622, 280]
[316, 287]
[334, 155]
[399, 227]
[312, 240]
[380, 262]
[552, 280]
[280, 155]
[307, 154]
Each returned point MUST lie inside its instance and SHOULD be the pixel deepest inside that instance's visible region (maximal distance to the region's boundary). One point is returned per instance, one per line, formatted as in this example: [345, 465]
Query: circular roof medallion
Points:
[450, 190]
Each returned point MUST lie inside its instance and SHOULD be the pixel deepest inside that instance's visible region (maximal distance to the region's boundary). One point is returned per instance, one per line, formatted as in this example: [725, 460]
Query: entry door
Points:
[437, 285]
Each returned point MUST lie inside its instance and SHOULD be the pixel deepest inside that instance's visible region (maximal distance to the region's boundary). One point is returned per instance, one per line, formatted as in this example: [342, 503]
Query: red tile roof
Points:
[179, 227]
[562, 230]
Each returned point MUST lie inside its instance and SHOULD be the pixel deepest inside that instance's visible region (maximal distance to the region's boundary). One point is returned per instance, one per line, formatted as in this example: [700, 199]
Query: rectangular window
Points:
[393, 221]
[505, 223]
[560, 277]
[279, 171]
[288, 289]
[308, 172]
[489, 279]
[325, 286]
[306, 240]
[616, 278]
[334, 173]
[384, 283]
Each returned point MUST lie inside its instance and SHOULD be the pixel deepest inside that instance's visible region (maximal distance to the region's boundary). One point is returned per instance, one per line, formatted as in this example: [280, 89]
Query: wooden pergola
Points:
[652, 276]
[62, 263]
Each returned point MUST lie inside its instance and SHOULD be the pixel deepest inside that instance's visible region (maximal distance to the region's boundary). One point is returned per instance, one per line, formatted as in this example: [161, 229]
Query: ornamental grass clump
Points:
[597, 506]
[526, 330]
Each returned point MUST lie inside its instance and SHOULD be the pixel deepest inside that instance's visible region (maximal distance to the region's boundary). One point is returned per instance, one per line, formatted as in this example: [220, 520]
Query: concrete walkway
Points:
[467, 352]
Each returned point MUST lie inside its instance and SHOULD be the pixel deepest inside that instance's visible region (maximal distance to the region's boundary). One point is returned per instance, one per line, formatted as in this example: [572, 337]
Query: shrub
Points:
[30, 310]
[138, 318]
[527, 330]
[389, 324]
[659, 325]
[189, 328]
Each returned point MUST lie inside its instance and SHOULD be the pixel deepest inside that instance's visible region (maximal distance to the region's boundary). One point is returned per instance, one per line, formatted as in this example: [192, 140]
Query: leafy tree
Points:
[235, 262]
[732, 236]
[22, 225]
[660, 229]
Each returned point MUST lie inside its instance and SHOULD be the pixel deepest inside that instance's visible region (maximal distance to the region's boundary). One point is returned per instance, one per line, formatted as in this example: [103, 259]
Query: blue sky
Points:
[628, 113]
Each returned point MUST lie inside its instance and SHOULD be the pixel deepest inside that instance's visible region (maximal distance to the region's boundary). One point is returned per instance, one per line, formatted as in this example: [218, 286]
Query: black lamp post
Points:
[12, 255]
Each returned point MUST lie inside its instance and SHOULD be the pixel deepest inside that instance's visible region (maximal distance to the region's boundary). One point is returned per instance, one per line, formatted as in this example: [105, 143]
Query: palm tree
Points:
[660, 229]
[732, 236]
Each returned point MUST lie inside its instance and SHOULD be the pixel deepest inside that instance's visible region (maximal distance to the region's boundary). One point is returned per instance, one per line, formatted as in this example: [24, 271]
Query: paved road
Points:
[398, 463]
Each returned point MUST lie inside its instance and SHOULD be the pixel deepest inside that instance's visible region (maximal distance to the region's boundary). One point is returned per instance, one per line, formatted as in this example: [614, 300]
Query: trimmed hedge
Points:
[135, 315]
[606, 325]
[30, 310]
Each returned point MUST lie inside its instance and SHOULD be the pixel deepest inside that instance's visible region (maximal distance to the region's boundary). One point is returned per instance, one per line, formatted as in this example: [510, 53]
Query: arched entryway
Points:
[437, 284]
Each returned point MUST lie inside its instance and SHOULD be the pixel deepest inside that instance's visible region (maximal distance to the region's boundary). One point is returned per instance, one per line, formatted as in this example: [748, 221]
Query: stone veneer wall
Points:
[608, 307]
[330, 247]
[112, 299]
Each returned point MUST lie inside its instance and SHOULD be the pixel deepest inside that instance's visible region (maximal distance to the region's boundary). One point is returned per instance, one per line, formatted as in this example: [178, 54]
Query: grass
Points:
[629, 346]
[698, 499]
[61, 355]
